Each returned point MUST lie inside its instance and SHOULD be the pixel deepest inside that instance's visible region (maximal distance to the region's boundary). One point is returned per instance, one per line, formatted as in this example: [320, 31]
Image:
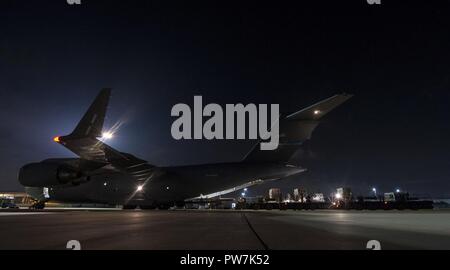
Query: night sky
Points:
[394, 133]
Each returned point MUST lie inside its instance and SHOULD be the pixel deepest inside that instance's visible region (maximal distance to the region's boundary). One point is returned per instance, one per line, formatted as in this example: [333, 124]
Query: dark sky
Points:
[394, 133]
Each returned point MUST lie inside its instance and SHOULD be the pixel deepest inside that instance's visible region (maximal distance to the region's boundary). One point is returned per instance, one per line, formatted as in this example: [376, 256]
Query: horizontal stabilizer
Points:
[84, 142]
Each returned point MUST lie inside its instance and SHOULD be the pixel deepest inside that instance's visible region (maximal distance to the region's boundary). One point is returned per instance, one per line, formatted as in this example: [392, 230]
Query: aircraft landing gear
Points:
[39, 205]
[147, 207]
[129, 207]
[180, 204]
[164, 206]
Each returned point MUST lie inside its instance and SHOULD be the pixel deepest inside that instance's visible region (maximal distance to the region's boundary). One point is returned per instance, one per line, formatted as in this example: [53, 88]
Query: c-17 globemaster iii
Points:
[102, 174]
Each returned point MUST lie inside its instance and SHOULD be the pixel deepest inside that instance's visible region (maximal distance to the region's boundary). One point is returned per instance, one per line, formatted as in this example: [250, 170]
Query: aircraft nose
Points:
[22, 174]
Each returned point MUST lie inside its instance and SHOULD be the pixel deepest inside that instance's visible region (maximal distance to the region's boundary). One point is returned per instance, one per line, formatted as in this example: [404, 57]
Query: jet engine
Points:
[48, 174]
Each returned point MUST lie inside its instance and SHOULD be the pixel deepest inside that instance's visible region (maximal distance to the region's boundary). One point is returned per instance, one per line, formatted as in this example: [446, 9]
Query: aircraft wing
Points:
[295, 129]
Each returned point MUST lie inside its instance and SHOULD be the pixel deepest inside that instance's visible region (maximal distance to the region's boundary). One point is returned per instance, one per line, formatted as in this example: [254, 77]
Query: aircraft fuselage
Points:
[167, 184]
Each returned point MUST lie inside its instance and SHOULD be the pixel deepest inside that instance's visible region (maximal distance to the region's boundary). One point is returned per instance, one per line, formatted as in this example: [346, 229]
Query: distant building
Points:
[318, 197]
[299, 194]
[344, 194]
[275, 194]
[289, 197]
[389, 197]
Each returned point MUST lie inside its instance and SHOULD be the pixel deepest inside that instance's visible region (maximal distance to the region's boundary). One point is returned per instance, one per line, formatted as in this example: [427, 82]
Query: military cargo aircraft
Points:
[102, 174]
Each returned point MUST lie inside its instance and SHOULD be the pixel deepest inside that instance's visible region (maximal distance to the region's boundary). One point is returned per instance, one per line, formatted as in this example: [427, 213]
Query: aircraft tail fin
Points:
[84, 141]
[91, 124]
[295, 129]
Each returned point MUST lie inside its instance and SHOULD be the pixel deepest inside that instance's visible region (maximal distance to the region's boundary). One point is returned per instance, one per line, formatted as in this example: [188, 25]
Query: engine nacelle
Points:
[46, 174]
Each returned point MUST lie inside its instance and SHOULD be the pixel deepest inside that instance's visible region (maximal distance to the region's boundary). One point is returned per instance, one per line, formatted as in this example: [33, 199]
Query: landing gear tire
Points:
[180, 204]
[129, 207]
[38, 206]
[147, 207]
[164, 206]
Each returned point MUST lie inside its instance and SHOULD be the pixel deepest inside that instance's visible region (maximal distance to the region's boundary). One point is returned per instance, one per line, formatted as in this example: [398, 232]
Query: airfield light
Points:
[245, 189]
[139, 188]
[107, 135]
[56, 139]
[398, 190]
[316, 112]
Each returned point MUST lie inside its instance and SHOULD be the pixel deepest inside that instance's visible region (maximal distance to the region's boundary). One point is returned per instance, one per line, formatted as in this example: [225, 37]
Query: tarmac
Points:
[224, 229]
